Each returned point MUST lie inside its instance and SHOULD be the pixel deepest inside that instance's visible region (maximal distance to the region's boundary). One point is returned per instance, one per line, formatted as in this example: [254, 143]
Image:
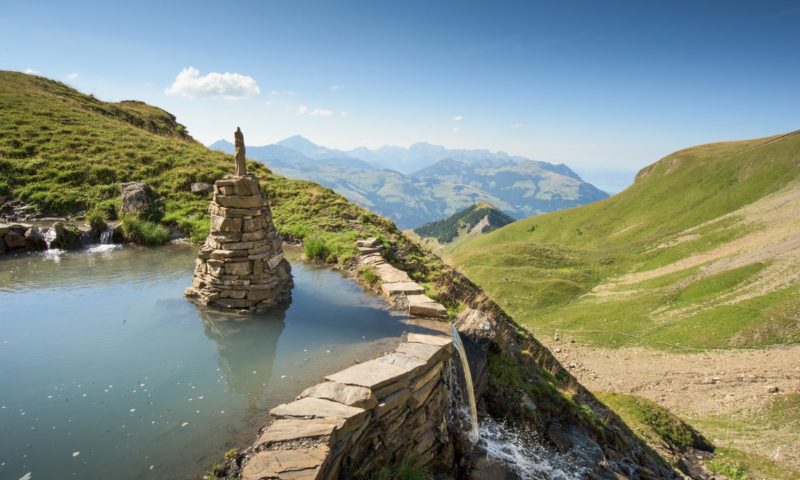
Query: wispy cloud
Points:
[336, 88]
[233, 86]
[317, 112]
[321, 112]
[517, 126]
[283, 93]
[456, 129]
[458, 118]
[72, 76]
[267, 103]
[30, 71]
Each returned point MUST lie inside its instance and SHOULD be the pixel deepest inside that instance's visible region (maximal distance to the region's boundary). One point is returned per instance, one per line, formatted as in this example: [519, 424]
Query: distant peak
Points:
[296, 140]
[482, 204]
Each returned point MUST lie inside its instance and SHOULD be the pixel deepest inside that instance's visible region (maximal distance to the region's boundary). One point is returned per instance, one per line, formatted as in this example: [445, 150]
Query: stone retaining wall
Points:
[367, 416]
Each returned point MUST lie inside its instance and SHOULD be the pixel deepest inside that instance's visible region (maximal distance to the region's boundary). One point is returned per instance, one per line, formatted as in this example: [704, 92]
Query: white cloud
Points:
[267, 103]
[335, 88]
[317, 112]
[456, 129]
[30, 71]
[285, 93]
[321, 112]
[72, 76]
[458, 118]
[343, 114]
[517, 125]
[190, 84]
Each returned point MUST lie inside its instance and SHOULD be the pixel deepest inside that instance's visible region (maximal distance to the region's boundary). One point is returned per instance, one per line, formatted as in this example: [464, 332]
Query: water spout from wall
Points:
[474, 434]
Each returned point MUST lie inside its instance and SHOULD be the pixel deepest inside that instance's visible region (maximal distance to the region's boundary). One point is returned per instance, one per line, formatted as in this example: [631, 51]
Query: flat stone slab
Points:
[299, 464]
[368, 242]
[375, 373]
[284, 429]
[407, 288]
[353, 395]
[412, 365]
[436, 325]
[424, 351]
[315, 408]
[392, 401]
[367, 250]
[429, 339]
[373, 260]
[424, 306]
[426, 377]
[389, 274]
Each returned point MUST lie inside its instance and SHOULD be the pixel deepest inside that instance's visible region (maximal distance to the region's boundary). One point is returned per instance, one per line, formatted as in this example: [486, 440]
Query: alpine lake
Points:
[109, 372]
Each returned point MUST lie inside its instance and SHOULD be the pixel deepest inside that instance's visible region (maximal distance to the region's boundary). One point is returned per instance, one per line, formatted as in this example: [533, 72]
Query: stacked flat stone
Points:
[396, 283]
[360, 419]
[241, 265]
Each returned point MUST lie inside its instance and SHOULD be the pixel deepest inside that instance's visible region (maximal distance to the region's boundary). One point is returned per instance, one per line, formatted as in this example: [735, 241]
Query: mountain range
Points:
[425, 182]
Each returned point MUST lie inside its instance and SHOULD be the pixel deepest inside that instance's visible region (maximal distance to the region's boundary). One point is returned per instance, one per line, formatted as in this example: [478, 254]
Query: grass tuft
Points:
[143, 232]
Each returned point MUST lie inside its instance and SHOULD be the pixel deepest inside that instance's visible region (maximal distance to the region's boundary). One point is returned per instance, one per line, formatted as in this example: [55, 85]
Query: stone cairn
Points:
[241, 265]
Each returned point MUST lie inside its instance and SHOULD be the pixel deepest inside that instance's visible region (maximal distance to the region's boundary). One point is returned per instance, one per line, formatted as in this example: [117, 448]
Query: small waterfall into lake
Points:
[106, 235]
[50, 236]
[474, 434]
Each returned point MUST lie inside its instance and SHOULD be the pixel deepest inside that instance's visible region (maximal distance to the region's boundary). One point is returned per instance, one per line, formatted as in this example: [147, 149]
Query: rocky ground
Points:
[727, 394]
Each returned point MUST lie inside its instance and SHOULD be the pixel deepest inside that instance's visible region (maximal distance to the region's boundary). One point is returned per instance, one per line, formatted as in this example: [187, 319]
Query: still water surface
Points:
[106, 371]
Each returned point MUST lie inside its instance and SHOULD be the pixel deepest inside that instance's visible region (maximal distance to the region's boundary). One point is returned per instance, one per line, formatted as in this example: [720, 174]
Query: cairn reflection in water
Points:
[247, 346]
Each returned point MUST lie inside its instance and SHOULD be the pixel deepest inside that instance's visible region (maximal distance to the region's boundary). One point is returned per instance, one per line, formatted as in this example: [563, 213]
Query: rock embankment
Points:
[19, 237]
[360, 419]
[397, 283]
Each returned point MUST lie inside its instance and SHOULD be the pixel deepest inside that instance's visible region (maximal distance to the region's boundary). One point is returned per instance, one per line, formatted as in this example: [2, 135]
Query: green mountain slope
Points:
[702, 251]
[473, 220]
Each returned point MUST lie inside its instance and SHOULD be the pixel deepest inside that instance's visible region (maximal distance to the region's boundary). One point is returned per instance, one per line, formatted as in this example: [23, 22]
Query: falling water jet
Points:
[474, 434]
[105, 235]
[49, 236]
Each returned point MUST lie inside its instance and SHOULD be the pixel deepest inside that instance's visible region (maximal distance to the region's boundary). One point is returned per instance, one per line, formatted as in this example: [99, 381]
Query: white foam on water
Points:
[524, 456]
[103, 248]
[27, 476]
[53, 254]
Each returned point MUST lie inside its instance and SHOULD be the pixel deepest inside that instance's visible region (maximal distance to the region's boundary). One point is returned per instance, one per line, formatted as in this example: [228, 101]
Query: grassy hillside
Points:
[67, 153]
[702, 251]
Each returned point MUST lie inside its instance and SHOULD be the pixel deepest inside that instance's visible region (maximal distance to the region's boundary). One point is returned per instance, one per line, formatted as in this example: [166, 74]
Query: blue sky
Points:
[605, 87]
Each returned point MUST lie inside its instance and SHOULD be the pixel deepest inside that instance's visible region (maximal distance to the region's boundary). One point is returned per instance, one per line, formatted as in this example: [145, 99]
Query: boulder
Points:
[202, 187]
[35, 239]
[136, 197]
[56, 236]
[14, 240]
[3, 247]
